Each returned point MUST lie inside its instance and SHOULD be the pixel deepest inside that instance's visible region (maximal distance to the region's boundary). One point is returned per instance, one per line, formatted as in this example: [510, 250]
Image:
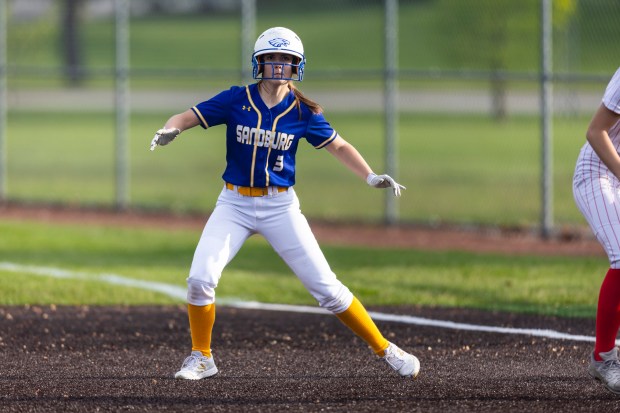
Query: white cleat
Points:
[196, 367]
[405, 364]
[608, 370]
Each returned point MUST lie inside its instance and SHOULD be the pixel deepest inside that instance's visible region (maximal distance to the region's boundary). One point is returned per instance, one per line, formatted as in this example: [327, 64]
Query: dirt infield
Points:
[122, 359]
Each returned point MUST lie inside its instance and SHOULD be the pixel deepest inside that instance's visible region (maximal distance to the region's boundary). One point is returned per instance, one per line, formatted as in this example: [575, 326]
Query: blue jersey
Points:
[261, 143]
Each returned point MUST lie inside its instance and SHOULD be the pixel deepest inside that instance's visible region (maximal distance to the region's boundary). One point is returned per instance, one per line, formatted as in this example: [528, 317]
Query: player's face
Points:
[278, 66]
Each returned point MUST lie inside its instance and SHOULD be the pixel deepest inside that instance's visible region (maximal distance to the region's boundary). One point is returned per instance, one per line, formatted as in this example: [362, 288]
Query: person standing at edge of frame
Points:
[265, 122]
[596, 189]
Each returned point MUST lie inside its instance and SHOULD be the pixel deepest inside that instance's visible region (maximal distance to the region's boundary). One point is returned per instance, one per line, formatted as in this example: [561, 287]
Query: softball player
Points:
[265, 122]
[596, 189]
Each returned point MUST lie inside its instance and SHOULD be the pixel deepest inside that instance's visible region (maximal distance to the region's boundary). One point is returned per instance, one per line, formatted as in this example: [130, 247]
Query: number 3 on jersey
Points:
[279, 165]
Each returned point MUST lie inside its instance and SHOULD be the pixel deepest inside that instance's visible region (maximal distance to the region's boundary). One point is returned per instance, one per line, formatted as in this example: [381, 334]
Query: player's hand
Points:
[384, 181]
[164, 137]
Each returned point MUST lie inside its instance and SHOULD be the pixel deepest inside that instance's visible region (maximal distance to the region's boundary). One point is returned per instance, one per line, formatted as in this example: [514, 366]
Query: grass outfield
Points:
[431, 35]
[564, 286]
[467, 169]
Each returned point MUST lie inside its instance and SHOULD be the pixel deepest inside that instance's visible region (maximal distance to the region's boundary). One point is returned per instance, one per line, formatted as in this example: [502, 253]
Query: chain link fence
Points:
[467, 137]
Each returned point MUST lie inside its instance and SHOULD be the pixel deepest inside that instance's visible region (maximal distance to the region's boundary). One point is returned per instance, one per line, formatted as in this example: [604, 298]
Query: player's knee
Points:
[200, 292]
[339, 302]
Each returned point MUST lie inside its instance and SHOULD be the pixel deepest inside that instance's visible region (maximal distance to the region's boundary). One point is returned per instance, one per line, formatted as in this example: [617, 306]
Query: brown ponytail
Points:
[300, 97]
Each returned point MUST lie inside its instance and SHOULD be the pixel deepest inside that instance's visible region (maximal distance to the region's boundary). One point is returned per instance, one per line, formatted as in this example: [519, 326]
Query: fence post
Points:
[122, 103]
[248, 35]
[546, 107]
[3, 107]
[391, 104]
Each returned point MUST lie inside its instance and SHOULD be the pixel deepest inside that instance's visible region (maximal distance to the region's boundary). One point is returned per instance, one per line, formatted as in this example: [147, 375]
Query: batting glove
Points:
[384, 181]
[164, 137]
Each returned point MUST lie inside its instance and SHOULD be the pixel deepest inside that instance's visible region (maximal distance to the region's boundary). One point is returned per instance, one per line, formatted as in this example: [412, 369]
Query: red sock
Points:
[608, 313]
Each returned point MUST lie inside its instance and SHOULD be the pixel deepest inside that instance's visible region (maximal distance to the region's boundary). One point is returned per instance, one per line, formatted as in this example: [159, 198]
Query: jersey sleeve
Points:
[214, 111]
[611, 99]
[320, 133]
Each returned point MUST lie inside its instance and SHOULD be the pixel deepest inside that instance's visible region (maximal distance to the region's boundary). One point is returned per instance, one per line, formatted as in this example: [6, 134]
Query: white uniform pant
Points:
[597, 194]
[278, 218]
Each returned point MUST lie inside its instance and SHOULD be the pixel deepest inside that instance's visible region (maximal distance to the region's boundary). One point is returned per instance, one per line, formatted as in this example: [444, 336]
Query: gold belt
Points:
[253, 191]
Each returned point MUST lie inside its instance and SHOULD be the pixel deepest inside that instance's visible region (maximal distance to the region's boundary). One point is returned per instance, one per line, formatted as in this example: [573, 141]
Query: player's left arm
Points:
[352, 159]
[349, 156]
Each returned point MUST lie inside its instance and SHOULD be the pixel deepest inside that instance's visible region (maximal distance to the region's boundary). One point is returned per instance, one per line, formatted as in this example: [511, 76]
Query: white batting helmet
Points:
[279, 40]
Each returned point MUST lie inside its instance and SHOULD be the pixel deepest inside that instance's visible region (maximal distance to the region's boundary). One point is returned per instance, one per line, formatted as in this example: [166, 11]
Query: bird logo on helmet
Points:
[279, 40]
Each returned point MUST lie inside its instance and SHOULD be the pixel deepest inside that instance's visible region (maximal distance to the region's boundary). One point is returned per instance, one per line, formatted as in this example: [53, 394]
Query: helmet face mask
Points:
[278, 40]
[289, 70]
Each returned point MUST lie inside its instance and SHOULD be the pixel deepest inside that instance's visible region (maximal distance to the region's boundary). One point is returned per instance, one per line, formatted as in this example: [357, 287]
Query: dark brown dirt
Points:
[76, 359]
[122, 359]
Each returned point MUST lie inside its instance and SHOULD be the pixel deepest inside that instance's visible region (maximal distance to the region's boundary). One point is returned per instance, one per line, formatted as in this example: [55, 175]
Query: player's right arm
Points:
[173, 127]
[598, 137]
[182, 121]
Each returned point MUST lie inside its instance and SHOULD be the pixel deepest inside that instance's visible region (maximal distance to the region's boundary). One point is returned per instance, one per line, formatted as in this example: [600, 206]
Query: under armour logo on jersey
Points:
[279, 42]
[245, 108]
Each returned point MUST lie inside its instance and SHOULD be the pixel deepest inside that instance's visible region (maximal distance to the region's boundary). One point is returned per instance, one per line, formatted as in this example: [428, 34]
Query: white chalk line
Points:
[179, 293]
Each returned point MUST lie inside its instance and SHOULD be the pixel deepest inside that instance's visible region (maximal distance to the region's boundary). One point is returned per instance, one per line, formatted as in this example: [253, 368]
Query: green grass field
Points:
[336, 35]
[457, 168]
[467, 169]
[552, 285]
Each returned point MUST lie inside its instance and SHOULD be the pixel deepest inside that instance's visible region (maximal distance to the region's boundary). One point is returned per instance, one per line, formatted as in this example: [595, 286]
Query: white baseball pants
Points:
[597, 194]
[278, 218]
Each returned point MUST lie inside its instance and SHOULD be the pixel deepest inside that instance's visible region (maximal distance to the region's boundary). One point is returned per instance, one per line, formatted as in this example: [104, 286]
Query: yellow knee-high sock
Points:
[201, 320]
[357, 319]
